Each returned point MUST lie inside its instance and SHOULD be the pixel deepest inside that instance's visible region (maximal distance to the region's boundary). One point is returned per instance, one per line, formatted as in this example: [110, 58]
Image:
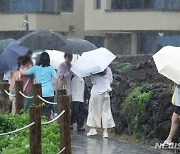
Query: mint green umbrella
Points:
[4, 44]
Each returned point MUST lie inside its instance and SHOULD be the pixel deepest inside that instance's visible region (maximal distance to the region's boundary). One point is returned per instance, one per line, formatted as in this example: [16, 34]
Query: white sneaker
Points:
[92, 132]
[105, 134]
[167, 143]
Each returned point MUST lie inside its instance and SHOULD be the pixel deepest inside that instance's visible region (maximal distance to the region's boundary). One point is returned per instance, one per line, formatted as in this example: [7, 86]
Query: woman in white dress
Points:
[99, 106]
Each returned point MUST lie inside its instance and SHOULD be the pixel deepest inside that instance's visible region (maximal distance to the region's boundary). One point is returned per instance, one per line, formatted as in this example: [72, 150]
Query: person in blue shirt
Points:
[44, 75]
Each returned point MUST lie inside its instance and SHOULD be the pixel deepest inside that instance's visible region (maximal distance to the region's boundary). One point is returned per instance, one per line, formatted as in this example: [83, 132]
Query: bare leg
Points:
[174, 126]
[105, 133]
[105, 130]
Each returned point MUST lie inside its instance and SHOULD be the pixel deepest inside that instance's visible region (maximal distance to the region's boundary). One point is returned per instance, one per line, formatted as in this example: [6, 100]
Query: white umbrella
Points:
[56, 57]
[167, 61]
[93, 62]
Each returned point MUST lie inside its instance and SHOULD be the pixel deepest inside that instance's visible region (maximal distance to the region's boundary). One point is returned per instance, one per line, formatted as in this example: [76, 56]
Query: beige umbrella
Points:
[167, 61]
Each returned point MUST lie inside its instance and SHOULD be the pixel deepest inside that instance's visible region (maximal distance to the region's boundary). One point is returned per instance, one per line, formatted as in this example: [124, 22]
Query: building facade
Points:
[135, 26]
[123, 26]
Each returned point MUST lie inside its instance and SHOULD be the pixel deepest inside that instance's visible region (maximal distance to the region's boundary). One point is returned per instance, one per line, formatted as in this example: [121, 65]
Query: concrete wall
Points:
[14, 22]
[129, 20]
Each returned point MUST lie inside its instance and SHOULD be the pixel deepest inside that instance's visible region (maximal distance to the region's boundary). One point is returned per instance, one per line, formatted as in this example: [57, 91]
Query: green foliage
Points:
[129, 103]
[133, 107]
[142, 98]
[18, 143]
[123, 67]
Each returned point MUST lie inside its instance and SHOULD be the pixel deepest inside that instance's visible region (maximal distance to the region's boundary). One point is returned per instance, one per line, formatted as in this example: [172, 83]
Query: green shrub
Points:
[123, 67]
[142, 99]
[133, 108]
[18, 143]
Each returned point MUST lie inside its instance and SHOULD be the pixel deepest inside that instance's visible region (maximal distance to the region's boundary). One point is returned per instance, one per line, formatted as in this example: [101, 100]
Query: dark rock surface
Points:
[156, 119]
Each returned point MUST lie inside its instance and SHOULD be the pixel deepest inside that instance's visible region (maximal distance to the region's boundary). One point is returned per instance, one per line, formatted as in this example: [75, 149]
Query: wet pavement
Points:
[81, 144]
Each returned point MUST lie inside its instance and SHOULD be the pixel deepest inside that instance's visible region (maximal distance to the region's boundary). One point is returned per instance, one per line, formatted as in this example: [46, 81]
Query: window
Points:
[145, 4]
[98, 41]
[25, 5]
[151, 42]
[21, 6]
[97, 4]
[48, 6]
[4, 6]
[67, 5]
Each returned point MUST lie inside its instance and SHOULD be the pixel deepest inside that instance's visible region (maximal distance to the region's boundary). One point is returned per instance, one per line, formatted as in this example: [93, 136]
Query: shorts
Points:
[177, 110]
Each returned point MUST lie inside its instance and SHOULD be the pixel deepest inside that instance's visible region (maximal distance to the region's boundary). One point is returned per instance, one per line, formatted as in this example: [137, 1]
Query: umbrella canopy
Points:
[78, 46]
[44, 40]
[4, 44]
[9, 57]
[56, 57]
[167, 61]
[93, 62]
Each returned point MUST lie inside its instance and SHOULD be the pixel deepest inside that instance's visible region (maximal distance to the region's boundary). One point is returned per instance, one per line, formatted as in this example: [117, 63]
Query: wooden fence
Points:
[35, 112]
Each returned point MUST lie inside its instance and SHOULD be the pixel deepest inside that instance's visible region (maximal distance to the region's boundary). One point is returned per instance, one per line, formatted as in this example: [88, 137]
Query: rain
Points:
[103, 75]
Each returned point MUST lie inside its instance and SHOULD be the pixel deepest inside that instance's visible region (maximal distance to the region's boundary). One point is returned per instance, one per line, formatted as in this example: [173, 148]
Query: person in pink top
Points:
[24, 63]
[65, 74]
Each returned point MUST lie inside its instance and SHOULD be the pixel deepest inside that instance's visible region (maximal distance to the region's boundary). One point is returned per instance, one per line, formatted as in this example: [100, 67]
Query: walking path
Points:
[81, 144]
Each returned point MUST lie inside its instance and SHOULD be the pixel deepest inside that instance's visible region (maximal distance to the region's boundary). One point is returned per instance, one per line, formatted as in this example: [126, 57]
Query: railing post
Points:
[4, 98]
[64, 122]
[19, 100]
[37, 90]
[60, 93]
[35, 130]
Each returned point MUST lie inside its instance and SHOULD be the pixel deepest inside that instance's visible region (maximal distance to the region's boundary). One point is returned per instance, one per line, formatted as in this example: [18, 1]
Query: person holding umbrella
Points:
[99, 105]
[95, 64]
[175, 117]
[44, 74]
[167, 62]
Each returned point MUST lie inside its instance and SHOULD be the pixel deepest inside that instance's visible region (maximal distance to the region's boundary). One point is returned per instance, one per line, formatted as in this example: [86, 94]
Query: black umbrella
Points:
[44, 40]
[78, 46]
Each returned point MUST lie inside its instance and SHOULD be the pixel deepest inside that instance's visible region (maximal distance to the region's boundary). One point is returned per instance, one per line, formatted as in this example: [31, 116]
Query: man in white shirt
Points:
[79, 94]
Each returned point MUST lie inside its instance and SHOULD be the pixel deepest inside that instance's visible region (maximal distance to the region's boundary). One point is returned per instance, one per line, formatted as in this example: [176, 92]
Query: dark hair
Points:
[23, 60]
[68, 55]
[102, 73]
[44, 60]
[29, 52]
